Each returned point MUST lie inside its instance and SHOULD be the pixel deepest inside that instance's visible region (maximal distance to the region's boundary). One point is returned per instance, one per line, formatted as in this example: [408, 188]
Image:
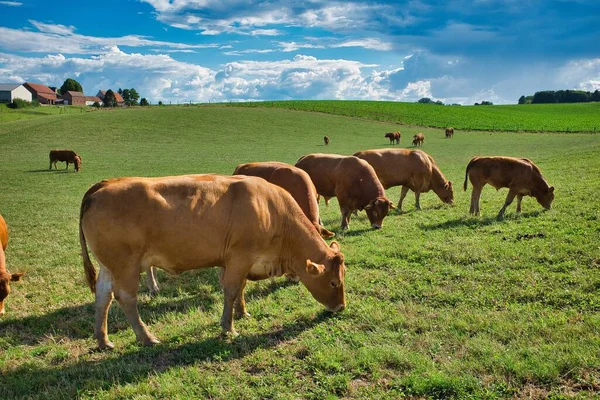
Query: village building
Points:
[90, 100]
[43, 94]
[74, 98]
[118, 97]
[11, 91]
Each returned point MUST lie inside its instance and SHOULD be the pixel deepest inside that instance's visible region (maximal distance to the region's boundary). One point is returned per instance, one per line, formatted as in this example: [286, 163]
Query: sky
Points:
[460, 51]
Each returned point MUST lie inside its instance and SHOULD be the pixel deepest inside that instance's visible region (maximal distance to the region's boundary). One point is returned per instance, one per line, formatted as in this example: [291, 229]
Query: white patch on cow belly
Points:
[266, 267]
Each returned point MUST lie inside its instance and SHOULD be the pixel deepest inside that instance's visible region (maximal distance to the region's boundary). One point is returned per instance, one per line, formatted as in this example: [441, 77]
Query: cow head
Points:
[446, 193]
[326, 281]
[545, 198]
[5, 279]
[377, 210]
[77, 163]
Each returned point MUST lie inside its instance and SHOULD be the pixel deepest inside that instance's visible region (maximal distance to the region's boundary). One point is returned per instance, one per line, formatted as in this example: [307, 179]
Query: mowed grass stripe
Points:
[440, 304]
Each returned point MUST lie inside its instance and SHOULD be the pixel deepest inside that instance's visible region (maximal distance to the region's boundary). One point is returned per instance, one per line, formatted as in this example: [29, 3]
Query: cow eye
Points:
[332, 284]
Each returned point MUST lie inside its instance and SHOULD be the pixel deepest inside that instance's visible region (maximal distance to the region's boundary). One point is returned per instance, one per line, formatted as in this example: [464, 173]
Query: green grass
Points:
[582, 117]
[440, 304]
[8, 114]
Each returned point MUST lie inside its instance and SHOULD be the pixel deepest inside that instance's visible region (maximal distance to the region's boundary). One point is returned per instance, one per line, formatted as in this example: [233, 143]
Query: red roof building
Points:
[41, 93]
[118, 97]
[74, 98]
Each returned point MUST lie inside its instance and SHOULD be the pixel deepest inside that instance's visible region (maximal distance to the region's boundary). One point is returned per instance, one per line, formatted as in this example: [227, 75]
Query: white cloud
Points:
[369, 43]
[63, 39]
[11, 3]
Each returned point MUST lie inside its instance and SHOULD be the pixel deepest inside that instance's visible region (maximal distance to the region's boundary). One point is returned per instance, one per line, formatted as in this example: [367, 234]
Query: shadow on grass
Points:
[89, 376]
[473, 221]
[177, 294]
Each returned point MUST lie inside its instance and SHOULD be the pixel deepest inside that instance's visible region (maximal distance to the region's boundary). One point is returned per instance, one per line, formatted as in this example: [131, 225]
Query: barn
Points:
[11, 91]
[74, 98]
[42, 93]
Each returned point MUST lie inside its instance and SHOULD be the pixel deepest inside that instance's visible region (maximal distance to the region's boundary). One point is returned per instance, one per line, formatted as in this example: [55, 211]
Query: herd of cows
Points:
[261, 222]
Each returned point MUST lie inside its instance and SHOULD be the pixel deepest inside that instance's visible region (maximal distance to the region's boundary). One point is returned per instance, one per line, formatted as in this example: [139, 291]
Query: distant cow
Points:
[449, 133]
[249, 227]
[68, 156]
[520, 175]
[418, 139]
[350, 179]
[413, 169]
[394, 137]
[326, 140]
[5, 276]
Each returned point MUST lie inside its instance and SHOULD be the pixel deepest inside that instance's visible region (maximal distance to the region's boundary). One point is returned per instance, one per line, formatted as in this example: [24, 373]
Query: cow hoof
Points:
[105, 346]
[243, 315]
[151, 341]
[153, 292]
[228, 335]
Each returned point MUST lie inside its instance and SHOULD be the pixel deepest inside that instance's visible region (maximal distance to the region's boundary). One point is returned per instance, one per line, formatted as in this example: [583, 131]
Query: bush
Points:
[20, 103]
[160, 103]
[144, 102]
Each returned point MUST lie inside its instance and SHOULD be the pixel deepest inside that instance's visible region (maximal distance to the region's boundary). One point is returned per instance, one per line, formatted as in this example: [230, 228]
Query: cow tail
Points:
[88, 267]
[467, 174]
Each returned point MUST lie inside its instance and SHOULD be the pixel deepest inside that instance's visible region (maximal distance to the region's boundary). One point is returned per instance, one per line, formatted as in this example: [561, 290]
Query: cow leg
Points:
[475, 196]
[519, 198]
[327, 200]
[104, 297]
[50, 166]
[509, 199]
[345, 217]
[417, 197]
[232, 286]
[151, 282]
[67, 167]
[403, 194]
[240, 302]
[125, 289]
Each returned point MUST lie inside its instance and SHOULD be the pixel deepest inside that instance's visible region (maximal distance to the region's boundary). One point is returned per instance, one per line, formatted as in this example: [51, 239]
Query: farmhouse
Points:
[41, 93]
[120, 101]
[74, 98]
[11, 91]
[90, 100]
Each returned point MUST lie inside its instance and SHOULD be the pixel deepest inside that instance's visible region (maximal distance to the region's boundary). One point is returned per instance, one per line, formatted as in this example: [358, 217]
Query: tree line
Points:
[560, 96]
[130, 96]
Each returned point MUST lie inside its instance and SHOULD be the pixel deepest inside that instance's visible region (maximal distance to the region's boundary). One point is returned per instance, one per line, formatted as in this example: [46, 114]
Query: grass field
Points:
[440, 304]
[582, 117]
[8, 114]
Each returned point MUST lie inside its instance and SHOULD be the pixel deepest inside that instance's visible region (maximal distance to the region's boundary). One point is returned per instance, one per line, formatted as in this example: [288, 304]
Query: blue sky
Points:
[459, 51]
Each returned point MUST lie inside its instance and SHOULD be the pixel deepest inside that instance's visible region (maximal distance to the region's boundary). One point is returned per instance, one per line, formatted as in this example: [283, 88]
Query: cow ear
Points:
[391, 204]
[16, 277]
[370, 205]
[314, 268]
[335, 246]
[551, 189]
[325, 234]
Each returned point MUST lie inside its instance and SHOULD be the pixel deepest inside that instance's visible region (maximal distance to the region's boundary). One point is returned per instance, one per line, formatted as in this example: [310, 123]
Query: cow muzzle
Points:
[337, 308]
[376, 226]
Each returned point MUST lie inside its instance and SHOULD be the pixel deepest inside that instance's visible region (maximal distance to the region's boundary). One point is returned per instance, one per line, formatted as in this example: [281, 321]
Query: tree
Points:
[160, 103]
[134, 96]
[425, 100]
[70, 85]
[522, 99]
[144, 102]
[120, 91]
[109, 99]
[96, 104]
[595, 96]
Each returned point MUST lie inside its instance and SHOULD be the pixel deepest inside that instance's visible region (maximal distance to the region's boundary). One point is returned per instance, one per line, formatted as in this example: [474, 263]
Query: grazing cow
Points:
[5, 277]
[449, 133]
[352, 181]
[393, 136]
[249, 227]
[520, 175]
[326, 140]
[418, 139]
[68, 156]
[413, 169]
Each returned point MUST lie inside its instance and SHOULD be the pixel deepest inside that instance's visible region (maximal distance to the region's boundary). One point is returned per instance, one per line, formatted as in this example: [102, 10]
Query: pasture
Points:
[440, 304]
[572, 117]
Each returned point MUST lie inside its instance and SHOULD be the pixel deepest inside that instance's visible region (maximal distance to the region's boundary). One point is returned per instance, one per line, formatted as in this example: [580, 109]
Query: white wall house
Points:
[11, 91]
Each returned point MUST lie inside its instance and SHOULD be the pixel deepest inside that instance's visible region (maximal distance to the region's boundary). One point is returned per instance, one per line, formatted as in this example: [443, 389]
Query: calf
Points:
[68, 156]
[326, 140]
[418, 139]
[520, 175]
[394, 137]
[449, 133]
[350, 179]
[412, 169]
[249, 227]
[5, 276]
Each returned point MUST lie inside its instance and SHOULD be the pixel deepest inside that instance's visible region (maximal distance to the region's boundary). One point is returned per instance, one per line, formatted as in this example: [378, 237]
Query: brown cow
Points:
[68, 156]
[251, 228]
[354, 183]
[5, 277]
[393, 136]
[449, 133]
[418, 139]
[520, 175]
[295, 181]
[326, 140]
[413, 169]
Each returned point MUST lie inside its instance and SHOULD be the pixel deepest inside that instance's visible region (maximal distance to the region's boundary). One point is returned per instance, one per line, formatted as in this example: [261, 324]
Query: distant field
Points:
[440, 304]
[582, 117]
[8, 114]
